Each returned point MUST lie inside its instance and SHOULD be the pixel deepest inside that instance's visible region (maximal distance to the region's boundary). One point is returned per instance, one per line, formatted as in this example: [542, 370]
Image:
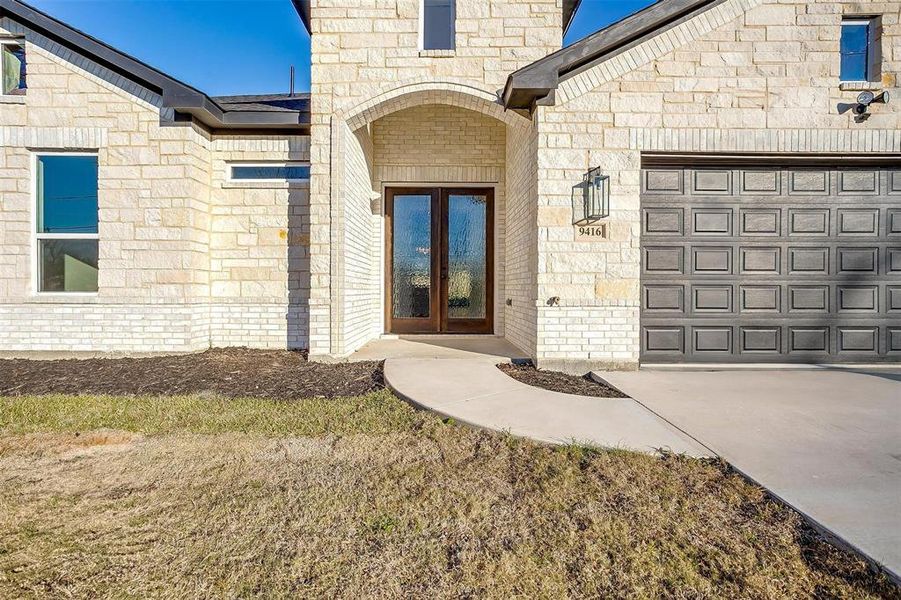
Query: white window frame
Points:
[422, 47]
[13, 41]
[37, 236]
[291, 163]
[874, 45]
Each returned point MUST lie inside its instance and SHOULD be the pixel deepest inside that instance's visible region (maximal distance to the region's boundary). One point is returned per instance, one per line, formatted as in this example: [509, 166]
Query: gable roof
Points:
[569, 10]
[175, 94]
[537, 81]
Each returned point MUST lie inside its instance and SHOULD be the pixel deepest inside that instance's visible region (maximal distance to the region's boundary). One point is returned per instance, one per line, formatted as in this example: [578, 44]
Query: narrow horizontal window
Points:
[66, 223]
[438, 24]
[270, 172]
[12, 68]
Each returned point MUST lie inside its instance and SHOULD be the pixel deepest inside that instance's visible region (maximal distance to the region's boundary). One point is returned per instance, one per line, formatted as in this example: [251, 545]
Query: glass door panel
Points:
[411, 271]
[467, 260]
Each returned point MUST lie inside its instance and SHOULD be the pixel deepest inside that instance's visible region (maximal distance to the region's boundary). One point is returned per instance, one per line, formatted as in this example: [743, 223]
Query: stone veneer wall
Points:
[761, 81]
[362, 50]
[153, 211]
[259, 248]
[166, 221]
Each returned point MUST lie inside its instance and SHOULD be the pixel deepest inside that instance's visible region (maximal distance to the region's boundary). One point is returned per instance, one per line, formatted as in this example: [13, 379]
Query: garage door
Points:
[769, 264]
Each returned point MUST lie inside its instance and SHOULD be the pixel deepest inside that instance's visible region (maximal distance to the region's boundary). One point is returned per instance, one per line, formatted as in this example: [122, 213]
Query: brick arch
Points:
[418, 94]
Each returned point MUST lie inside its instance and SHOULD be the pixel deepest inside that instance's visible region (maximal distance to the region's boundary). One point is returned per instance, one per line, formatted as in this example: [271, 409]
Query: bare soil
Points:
[229, 372]
[560, 382]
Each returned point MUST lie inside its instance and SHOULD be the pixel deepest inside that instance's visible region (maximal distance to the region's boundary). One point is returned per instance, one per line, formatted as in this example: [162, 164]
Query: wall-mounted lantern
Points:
[591, 198]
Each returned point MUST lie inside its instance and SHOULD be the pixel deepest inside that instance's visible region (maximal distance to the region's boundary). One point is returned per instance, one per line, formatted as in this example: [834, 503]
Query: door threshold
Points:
[439, 336]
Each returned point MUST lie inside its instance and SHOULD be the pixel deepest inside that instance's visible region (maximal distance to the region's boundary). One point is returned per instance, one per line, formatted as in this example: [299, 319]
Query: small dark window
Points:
[438, 25]
[270, 172]
[859, 50]
[12, 68]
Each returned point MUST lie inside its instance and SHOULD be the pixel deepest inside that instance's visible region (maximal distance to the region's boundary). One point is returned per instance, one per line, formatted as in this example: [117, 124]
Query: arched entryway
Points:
[420, 176]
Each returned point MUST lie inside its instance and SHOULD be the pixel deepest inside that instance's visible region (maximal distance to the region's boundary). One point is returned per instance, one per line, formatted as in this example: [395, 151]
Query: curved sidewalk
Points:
[476, 392]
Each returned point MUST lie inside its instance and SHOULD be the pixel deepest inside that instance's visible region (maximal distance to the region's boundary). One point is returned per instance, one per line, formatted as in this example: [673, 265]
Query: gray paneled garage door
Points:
[771, 264]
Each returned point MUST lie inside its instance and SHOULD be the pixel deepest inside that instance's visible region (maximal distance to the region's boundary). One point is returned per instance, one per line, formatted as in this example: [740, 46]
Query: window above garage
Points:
[860, 48]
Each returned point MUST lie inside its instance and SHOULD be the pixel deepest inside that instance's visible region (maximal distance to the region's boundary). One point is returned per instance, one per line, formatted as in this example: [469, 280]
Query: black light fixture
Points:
[594, 203]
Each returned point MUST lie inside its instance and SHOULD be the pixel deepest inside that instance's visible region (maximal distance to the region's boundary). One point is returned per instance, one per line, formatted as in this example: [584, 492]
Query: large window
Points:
[66, 222]
[12, 67]
[438, 24]
[859, 48]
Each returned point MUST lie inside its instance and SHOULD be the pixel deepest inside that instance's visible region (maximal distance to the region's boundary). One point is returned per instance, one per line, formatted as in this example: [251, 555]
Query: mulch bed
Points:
[560, 382]
[230, 372]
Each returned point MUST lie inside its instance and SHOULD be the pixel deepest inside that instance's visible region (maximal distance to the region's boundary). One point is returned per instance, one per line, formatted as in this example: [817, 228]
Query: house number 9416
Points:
[591, 232]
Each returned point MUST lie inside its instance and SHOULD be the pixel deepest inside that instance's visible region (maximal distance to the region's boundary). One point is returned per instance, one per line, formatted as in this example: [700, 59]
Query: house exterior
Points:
[705, 181]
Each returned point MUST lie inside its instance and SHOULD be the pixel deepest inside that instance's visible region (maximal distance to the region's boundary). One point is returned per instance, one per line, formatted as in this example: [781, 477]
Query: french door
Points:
[440, 260]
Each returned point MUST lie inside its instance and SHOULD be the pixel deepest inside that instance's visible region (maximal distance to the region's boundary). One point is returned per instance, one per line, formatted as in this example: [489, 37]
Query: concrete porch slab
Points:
[486, 347]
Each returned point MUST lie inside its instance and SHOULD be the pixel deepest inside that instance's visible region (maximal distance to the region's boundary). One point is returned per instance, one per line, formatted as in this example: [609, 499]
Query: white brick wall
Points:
[357, 317]
[127, 328]
[521, 244]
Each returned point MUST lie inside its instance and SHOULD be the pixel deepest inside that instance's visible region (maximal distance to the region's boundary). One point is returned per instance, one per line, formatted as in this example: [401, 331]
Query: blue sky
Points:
[236, 46]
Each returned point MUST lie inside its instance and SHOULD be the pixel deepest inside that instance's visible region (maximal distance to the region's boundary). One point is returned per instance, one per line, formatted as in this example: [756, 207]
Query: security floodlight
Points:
[866, 98]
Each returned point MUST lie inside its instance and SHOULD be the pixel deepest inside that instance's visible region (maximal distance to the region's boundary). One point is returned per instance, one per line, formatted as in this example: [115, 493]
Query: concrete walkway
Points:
[474, 391]
[825, 441]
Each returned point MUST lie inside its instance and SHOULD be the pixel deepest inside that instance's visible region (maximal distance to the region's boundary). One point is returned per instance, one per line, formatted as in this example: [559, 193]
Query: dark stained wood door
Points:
[439, 275]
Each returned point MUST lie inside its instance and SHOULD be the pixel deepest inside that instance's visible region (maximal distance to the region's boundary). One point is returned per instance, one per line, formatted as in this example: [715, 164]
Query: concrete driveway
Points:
[826, 441]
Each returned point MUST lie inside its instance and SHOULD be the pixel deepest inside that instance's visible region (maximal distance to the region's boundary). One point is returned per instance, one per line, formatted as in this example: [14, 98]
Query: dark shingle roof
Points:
[265, 103]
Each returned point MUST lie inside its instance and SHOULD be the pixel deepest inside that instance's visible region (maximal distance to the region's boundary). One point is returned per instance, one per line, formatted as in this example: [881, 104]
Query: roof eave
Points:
[569, 13]
[303, 10]
[264, 119]
[213, 116]
[105, 55]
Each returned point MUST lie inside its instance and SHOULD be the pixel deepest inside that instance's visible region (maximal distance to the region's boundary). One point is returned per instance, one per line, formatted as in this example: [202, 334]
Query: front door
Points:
[440, 249]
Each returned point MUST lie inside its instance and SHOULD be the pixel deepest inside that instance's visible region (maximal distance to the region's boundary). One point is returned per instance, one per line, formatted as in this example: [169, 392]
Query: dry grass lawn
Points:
[200, 497]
